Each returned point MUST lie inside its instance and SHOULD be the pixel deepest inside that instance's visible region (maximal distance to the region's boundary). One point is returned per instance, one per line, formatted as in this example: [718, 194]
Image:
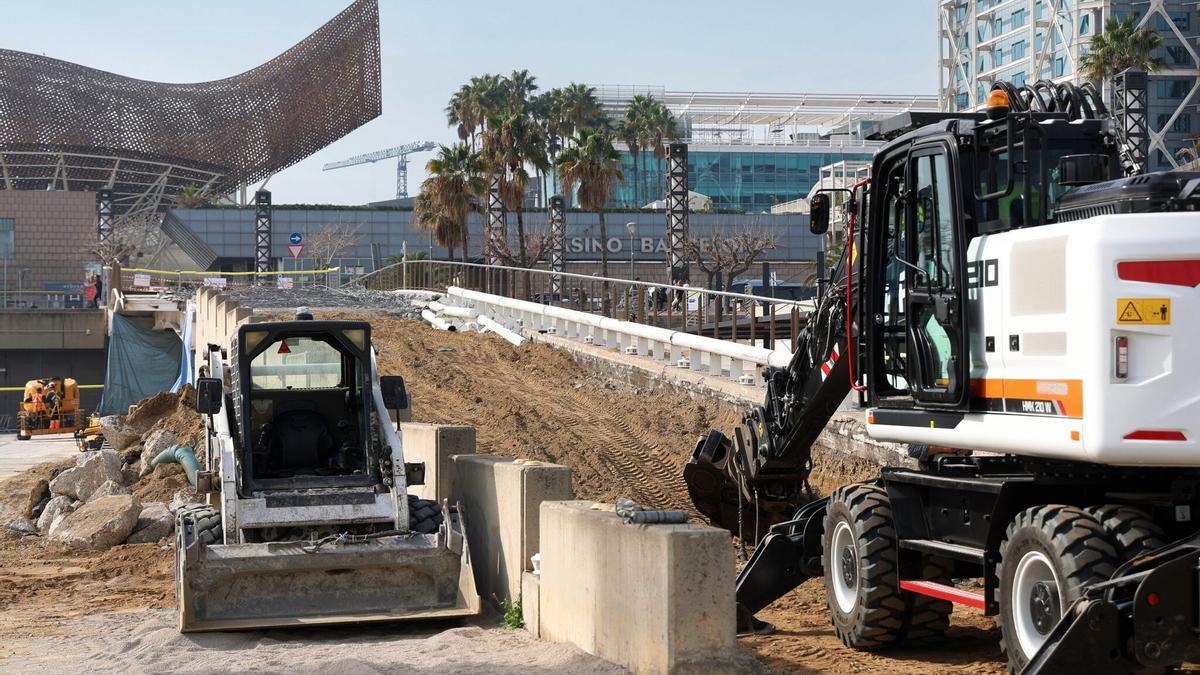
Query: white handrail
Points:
[742, 357]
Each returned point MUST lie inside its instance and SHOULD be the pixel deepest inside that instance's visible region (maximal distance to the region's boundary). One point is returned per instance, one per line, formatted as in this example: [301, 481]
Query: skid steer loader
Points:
[308, 519]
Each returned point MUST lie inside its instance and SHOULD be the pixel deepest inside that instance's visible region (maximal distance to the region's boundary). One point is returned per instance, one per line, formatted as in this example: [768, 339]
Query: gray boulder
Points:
[155, 522]
[99, 524]
[60, 505]
[91, 471]
[108, 489]
[118, 434]
[154, 443]
[22, 525]
[20, 494]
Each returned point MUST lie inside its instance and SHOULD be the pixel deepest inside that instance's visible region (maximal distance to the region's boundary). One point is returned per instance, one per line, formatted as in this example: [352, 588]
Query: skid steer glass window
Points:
[297, 363]
[892, 333]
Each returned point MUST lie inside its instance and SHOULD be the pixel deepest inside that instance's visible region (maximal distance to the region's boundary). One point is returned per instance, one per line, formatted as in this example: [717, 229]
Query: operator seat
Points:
[301, 440]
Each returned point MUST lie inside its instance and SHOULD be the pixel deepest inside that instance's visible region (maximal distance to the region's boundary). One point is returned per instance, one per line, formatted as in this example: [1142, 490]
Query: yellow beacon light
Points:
[997, 104]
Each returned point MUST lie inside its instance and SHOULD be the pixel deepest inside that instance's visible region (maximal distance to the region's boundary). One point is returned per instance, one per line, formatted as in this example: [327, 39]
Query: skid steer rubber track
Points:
[207, 521]
[424, 515]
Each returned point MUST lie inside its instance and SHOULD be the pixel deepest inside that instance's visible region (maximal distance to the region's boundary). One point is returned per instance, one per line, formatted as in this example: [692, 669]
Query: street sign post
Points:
[296, 238]
[295, 250]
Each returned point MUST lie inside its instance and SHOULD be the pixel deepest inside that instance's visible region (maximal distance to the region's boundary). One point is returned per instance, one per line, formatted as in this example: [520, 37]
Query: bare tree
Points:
[535, 245]
[132, 237]
[728, 254]
[331, 241]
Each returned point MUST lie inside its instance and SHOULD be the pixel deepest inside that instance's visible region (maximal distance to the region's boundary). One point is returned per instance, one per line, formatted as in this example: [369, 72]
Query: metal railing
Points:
[149, 280]
[748, 319]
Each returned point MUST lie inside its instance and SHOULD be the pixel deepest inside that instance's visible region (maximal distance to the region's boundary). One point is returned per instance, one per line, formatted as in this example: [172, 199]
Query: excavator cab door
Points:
[936, 328]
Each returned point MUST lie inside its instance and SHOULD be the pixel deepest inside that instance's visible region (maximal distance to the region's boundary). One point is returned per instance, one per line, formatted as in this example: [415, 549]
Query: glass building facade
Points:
[1022, 41]
[750, 179]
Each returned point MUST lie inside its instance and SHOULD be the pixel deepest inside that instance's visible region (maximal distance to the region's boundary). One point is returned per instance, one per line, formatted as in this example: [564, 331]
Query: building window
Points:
[1172, 88]
[998, 58]
[8, 228]
[1018, 79]
[1085, 24]
[961, 101]
[998, 28]
[1182, 124]
[1060, 67]
[1018, 50]
[1018, 19]
[1041, 39]
[1177, 55]
[1040, 10]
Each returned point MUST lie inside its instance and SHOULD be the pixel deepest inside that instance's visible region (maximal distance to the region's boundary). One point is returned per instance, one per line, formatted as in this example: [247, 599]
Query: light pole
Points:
[632, 227]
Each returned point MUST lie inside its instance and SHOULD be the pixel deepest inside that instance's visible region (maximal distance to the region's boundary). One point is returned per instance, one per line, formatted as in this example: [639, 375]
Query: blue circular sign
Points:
[296, 238]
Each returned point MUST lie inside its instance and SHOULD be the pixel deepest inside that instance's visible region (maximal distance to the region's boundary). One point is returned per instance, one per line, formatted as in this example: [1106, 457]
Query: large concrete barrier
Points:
[502, 499]
[652, 598]
[435, 445]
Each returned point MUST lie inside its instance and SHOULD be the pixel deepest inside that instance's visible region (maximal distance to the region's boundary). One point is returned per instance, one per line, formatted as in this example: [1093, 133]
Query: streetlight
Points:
[632, 227]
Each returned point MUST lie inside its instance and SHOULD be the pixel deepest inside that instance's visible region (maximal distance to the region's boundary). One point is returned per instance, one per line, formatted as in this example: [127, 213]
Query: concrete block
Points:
[530, 603]
[435, 444]
[502, 500]
[652, 598]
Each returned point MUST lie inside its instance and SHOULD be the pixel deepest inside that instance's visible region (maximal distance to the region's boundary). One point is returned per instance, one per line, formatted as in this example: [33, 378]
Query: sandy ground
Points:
[531, 401]
[146, 641]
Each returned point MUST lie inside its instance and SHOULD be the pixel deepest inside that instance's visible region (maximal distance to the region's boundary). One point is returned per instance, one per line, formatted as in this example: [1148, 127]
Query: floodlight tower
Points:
[400, 152]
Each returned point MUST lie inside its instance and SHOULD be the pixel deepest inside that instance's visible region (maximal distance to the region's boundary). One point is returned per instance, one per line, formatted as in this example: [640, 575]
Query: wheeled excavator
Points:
[1009, 288]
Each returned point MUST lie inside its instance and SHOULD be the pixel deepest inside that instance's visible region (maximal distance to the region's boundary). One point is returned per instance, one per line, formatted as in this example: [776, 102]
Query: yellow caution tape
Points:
[81, 386]
[194, 273]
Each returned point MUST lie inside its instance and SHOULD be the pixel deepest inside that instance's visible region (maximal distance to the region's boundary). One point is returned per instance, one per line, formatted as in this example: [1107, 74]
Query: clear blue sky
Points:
[430, 48]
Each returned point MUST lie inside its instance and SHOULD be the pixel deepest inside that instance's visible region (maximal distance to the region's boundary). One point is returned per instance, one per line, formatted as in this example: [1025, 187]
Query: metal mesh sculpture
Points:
[66, 126]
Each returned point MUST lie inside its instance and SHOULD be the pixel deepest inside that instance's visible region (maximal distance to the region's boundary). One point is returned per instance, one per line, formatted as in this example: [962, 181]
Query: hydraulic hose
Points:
[182, 455]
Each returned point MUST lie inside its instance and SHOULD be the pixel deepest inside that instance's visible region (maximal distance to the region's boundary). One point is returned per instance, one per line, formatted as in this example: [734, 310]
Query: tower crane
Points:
[401, 152]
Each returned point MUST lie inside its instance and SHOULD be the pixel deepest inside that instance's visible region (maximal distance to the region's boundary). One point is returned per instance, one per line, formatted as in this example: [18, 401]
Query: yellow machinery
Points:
[89, 436]
[50, 406]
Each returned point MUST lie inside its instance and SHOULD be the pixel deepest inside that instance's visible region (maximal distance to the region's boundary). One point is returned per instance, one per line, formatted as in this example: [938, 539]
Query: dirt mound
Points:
[161, 485]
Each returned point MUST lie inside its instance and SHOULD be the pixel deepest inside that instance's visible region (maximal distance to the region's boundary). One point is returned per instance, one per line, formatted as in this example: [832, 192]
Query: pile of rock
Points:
[89, 506]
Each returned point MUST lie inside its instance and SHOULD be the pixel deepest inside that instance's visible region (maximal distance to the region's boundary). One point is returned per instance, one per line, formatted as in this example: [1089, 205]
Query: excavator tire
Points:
[862, 584]
[424, 515]
[207, 522]
[928, 618]
[1131, 530]
[1049, 556]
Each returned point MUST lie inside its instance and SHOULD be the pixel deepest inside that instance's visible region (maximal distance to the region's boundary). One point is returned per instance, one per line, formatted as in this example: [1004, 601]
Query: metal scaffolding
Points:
[262, 231]
[677, 209]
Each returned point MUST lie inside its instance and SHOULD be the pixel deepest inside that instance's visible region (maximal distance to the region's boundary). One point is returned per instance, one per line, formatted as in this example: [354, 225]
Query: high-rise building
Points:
[1022, 41]
[752, 151]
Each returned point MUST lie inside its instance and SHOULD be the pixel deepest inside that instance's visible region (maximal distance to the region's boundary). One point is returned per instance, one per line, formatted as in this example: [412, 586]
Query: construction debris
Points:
[99, 524]
[153, 523]
[93, 470]
[108, 489]
[394, 303]
[118, 434]
[21, 495]
[58, 506]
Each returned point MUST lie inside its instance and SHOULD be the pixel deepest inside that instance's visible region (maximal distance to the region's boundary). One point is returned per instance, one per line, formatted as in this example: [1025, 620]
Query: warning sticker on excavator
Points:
[1145, 311]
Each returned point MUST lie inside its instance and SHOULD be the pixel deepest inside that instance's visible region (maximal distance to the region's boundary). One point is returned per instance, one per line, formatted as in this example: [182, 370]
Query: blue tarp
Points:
[187, 363]
[141, 362]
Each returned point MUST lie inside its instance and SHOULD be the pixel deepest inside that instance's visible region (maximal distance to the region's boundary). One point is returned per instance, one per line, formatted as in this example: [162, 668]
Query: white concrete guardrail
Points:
[704, 353]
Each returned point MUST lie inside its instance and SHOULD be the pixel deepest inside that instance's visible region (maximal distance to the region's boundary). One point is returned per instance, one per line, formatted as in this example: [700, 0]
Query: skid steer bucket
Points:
[385, 578]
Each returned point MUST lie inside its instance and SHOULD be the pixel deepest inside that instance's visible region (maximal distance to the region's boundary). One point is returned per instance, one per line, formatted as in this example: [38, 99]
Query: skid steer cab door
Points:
[916, 344]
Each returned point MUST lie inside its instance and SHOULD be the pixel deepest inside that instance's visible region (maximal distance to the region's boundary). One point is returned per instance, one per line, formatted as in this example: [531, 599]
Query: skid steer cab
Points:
[308, 518]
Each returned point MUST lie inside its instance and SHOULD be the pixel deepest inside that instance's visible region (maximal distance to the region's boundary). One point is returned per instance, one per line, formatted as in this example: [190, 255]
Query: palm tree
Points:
[510, 142]
[662, 128]
[453, 184]
[592, 164]
[1119, 46]
[519, 86]
[579, 107]
[462, 114]
[445, 231]
[638, 136]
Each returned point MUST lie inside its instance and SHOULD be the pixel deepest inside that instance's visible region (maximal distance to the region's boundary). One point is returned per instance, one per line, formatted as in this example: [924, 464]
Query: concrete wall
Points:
[52, 329]
[53, 232]
[652, 598]
[435, 445]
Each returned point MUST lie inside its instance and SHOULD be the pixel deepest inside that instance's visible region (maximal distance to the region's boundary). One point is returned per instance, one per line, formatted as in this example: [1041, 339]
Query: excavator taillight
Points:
[1172, 272]
[1122, 352]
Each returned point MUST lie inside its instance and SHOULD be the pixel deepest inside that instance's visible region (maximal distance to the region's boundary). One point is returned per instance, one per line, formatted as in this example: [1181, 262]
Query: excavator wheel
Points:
[1049, 556]
[862, 585]
[207, 521]
[424, 515]
[1131, 530]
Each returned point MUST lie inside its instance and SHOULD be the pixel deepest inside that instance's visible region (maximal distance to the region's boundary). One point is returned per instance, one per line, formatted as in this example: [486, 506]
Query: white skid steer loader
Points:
[309, 520]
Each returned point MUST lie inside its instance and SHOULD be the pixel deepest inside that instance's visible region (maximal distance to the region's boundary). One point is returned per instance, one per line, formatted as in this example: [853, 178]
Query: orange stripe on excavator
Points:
[1067, 393]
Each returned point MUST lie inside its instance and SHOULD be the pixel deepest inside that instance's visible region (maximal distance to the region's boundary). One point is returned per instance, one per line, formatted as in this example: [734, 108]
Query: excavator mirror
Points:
[208, 395]
[395, 395]
[818, 213]
[1074, 170]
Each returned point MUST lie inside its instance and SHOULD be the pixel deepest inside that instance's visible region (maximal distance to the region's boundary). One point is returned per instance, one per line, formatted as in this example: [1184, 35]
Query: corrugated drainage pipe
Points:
[437, 321]
[182, 455]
